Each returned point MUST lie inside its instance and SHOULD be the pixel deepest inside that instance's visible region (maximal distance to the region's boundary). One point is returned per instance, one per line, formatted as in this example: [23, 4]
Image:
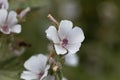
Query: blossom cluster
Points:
[9, 25]
[9, 19]
[66, 41]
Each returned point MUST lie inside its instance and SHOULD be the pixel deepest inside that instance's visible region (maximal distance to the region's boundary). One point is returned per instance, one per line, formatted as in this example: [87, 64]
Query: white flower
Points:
[37, 68]
[71, 60]
[8, 22]
[66, 39]
[4, 4]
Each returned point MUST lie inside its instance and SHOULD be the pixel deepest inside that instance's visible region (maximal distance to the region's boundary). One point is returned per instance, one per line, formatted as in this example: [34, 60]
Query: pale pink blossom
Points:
[37, 68]
[66, 39]
[8, 22]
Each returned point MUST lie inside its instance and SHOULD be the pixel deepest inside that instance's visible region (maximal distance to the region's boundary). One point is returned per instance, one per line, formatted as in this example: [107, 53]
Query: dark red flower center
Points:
[64, 42]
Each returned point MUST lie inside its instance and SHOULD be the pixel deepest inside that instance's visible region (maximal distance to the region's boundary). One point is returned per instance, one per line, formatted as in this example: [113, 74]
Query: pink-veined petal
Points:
[45, 72]
[5, 30]
[73, 48]
[64, 28]
[60, 50]
[52, 34]
[76, 35]
[16, 28]
[12, 18]
[3, 15]
[36, 63]
[27, 75]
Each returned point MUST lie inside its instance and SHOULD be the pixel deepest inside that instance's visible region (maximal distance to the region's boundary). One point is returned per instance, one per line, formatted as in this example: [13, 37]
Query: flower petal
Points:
[64, 28]
[27, 75]
[5, 29]
[60, 50]
[73, 48]
[3, 15]
[36, 63]
[4, 4]
[52, 34]
[12, 18]
[16, 28]
[76, 35]
[45, 72]
[71, 60]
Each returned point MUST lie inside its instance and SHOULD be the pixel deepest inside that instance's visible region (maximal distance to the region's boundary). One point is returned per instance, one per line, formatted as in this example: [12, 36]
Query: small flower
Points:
[4, 4]
[37, 68]
[71, 60]
[8, 22]
[66, 39]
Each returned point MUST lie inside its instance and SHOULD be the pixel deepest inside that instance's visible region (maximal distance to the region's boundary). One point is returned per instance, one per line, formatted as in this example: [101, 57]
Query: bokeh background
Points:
[99, 55]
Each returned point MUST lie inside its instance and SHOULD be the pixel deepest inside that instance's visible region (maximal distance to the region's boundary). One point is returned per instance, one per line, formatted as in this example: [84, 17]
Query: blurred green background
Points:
[99, 55]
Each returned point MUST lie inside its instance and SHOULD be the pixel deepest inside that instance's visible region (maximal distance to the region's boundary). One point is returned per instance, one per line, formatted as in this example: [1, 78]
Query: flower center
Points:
[5, 28]
[64, 42]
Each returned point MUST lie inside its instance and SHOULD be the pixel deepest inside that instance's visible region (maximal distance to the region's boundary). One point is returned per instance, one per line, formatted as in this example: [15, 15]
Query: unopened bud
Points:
[52, 19]
[55, 68]
[51, 60]
[23, 13]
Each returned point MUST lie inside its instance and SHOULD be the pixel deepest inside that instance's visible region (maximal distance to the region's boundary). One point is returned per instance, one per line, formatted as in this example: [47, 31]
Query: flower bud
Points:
[55, 68]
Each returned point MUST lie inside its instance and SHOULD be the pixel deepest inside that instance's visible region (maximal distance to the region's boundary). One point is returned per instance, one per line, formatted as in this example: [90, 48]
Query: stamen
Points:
[64, 42]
